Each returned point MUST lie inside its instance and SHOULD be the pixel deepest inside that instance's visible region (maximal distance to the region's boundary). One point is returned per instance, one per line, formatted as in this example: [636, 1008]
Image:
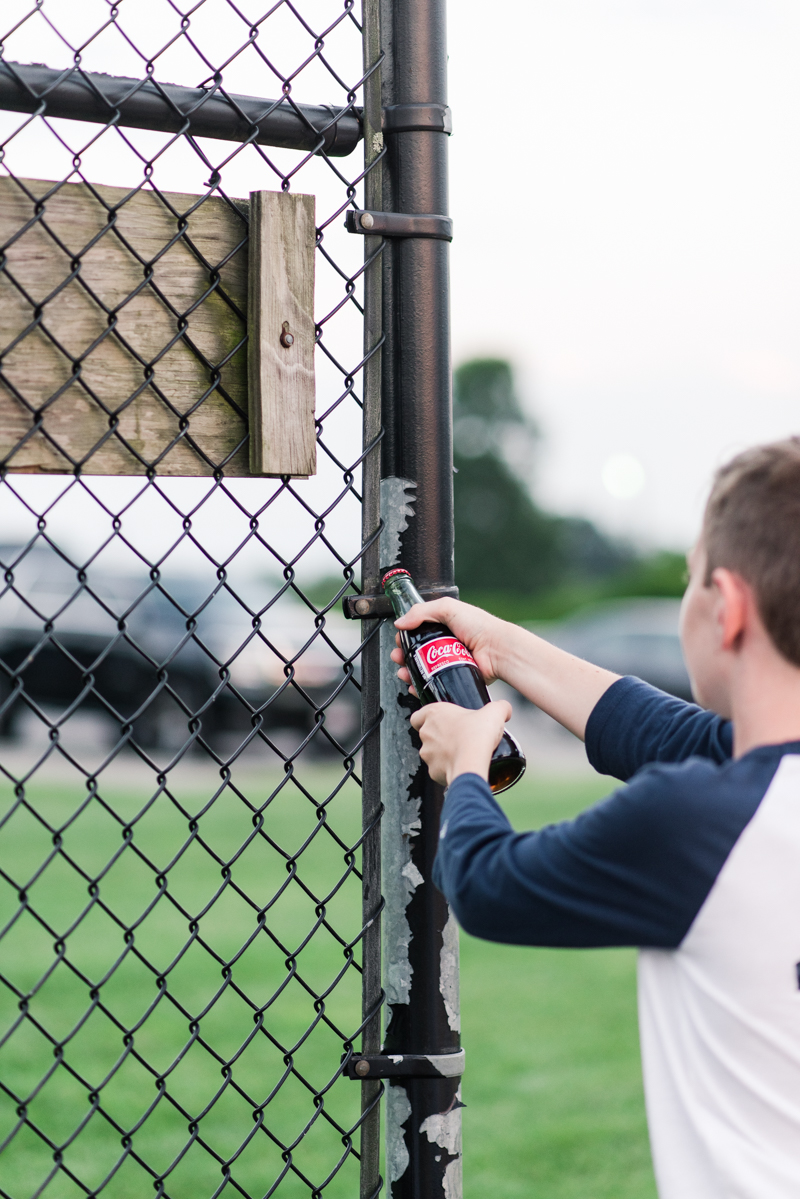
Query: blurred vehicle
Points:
[134, 652]
[637, 636]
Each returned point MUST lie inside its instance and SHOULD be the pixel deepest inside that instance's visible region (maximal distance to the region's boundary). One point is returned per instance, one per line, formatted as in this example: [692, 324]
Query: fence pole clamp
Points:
[399, 224]
[377, 607]
[405, 1065]
[412, 118]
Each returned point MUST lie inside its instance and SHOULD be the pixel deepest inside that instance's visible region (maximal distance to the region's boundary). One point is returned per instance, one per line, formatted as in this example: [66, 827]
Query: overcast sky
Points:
[625, 181]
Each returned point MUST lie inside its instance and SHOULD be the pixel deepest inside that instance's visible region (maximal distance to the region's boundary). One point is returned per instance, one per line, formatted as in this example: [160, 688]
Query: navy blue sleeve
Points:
[634, 724]
[633, 870]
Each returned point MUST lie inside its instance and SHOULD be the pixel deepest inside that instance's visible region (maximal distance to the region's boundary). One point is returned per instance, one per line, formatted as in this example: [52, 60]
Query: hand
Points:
[565, 687]
[459, 740]
[478, 630]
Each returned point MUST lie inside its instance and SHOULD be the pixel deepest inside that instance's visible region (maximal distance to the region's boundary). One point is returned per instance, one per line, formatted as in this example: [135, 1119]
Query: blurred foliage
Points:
[323, 592]
[512, 557]
[662, 574]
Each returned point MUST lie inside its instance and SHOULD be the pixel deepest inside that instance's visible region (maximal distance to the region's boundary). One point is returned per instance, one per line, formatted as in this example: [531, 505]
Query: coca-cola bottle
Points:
[443, 670]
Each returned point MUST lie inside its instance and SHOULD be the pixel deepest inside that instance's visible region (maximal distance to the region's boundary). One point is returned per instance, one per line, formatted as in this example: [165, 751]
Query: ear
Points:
[735, 606]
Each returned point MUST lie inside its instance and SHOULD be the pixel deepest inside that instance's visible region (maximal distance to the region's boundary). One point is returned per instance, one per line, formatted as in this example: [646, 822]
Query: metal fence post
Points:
[372, 995]
[420, 936]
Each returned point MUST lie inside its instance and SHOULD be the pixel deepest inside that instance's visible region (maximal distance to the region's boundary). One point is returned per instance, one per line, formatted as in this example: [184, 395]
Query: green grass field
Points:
[554, 1105]
[175, 1011]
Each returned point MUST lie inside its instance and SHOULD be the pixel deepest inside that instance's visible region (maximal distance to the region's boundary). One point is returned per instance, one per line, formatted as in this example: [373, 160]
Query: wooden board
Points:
[123, 323]
[282, 334]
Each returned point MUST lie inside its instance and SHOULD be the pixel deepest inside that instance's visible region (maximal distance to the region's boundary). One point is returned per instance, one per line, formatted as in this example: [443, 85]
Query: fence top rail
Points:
[169, 108]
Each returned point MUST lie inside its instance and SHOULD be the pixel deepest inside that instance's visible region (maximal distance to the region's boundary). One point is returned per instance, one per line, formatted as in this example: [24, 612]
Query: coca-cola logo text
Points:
[444, 651]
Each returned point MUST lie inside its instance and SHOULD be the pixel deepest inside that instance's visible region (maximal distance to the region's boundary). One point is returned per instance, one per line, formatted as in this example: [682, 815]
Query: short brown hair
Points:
[752, 526]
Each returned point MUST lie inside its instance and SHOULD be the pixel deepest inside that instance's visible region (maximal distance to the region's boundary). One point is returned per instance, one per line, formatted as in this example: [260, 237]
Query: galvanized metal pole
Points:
[371, 990]
[423, 1159]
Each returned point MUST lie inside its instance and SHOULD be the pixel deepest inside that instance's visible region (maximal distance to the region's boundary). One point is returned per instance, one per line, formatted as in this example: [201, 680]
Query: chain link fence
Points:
[181, 927]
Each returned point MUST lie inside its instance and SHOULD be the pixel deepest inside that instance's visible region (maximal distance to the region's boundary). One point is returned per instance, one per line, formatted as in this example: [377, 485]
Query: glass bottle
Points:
[444, 671]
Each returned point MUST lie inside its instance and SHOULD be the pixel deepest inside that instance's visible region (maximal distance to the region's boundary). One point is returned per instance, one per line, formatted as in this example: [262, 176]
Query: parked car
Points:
[119, 646]
[637, 636]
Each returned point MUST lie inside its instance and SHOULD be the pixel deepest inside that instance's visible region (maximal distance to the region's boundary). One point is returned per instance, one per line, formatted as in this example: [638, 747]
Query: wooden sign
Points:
[123, 323]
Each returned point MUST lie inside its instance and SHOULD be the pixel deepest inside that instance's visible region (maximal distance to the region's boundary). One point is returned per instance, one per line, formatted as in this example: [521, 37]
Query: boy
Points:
[696, 861]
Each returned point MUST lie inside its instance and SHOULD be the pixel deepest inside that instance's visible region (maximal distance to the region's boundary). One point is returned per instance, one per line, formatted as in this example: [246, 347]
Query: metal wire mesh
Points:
[179, 697]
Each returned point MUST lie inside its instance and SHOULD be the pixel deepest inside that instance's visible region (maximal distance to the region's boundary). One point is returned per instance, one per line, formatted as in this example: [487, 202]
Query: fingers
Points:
[435, 610]
[458, 740]
[496, 714]
[493, 717]
[498, 711]
[402, 674]
[419, 717]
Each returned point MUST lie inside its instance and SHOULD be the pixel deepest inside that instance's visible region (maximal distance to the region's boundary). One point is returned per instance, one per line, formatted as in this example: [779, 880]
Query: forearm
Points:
[565, 687]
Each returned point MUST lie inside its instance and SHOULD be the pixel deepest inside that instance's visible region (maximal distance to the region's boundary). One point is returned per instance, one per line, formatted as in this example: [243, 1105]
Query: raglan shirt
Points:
[697, 863]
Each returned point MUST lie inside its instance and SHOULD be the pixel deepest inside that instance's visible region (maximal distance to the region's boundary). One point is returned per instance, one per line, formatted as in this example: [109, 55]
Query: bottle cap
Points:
[398, 570]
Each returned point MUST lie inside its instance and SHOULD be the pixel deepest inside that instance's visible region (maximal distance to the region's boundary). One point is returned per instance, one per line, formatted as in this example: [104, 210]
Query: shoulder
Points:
[681, 805]
[670, 832]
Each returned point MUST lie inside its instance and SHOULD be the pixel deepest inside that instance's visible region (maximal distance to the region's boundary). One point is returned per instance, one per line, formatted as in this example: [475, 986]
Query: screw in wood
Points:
[287, 338]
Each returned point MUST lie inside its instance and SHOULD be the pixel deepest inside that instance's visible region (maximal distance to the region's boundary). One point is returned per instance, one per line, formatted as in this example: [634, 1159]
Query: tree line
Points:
[512, 556]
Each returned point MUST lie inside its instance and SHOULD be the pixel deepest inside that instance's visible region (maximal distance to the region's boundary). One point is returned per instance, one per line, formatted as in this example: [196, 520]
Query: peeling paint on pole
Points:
[420, 936]
[448, 978]
[399, 765]
[444, 1130]
[396, 501]
[398, 1110]
[400, 823]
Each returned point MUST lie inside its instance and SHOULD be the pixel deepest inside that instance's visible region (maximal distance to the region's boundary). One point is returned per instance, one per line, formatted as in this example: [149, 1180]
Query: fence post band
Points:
[413, 118]
[367, 607]
[399, 224]
[405, 1065]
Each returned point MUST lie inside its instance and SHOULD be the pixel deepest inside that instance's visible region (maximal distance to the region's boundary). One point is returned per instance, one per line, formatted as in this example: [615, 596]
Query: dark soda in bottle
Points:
[443, 670]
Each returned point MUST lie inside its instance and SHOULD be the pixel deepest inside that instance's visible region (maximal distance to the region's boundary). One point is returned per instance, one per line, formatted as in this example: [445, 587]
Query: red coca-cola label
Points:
[440, 653]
